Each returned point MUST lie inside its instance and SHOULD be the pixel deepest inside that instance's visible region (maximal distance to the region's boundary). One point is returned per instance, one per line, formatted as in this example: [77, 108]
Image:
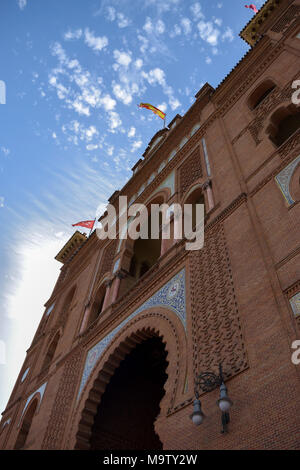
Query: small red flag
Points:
[85, 223]
[252, 7]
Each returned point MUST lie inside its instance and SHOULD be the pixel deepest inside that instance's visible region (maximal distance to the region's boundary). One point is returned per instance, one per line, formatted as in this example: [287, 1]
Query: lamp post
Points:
[208, 381]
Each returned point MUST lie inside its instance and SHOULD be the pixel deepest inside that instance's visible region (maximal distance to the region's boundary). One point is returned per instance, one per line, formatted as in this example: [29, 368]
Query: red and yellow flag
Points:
[153, 109]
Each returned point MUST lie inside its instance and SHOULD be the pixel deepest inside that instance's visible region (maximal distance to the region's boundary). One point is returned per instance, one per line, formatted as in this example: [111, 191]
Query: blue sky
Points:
[70, 130]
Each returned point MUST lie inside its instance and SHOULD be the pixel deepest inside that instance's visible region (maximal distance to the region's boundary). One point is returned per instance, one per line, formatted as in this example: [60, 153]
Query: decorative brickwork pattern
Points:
[190, 171]
[62, 403]
[107, 260]
[286, 19]
[217, 333]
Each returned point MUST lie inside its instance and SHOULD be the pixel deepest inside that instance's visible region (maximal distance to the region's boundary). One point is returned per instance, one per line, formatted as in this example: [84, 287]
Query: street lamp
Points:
[208, 381]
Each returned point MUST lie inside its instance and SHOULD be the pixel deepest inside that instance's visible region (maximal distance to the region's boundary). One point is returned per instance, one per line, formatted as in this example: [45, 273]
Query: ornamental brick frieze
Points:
[190, 171]
[62, 402]
[289, 17]
[107, 260]
[216, 325]
[245, 80]
[291, 146]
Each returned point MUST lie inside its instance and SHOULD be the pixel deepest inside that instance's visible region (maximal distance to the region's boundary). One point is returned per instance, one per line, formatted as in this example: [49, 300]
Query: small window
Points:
[260, 93]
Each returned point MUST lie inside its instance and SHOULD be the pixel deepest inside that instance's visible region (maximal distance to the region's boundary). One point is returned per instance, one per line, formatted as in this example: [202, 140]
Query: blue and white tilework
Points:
[7, 422]
[283, 180]
[295, 304]
[41, 391]
[171, 295]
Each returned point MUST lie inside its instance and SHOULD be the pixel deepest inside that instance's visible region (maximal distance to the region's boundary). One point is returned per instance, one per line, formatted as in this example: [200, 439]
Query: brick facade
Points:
[236, 301]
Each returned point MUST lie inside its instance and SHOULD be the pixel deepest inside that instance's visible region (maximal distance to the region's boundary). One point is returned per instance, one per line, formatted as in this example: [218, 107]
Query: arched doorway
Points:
[26, 425]
[131, 402]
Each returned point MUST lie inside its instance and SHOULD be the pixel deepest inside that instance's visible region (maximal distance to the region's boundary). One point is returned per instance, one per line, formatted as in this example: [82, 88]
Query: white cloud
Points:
[157, 27]
[208, 33]
[22, 4]
[136, 145]
[197, 11]
[110, 150]
[69, 35]
[186, 25]
[176, 31]
[163, 107]
[5, 150]
[80, 108]
[122, 20]
[131, 132]
[218, 21]
[174, 103]
[96, 43]
[111, 13]
[108, 102]
[228, 35]
[1, 201]
[156, 75]
[122, 94]
[160, 27]
[208, 60]
[138, 63]
[114, 121]
[91, 147]
[122, 58]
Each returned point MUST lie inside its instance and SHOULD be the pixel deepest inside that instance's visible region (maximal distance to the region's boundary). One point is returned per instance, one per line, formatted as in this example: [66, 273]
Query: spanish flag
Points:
[153, 109]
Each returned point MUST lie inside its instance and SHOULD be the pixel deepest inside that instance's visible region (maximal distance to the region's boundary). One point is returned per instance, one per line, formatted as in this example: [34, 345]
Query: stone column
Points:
[210, 197]
[106, 298]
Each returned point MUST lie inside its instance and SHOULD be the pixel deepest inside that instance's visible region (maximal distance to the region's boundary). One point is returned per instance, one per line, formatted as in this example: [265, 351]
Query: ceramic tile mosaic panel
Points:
[171, 295]
[283, 180]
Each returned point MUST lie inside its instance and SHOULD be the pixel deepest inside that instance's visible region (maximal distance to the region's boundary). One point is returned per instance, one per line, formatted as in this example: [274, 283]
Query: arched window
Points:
[260, 93]
[146, 252]
[26, 425]
[183, 142]
[97, 305]
[196, 197]
[51, 351]
[172, 155]
[195, 128]
[283, 123]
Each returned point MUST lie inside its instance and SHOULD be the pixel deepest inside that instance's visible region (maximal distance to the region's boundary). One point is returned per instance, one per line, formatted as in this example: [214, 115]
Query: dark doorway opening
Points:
[128, 408]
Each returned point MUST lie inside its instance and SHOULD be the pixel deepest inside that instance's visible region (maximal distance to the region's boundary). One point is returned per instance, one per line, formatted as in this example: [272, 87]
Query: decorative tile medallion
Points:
[171, 295]
[283, 180]
[41, 391]
[295, 304]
